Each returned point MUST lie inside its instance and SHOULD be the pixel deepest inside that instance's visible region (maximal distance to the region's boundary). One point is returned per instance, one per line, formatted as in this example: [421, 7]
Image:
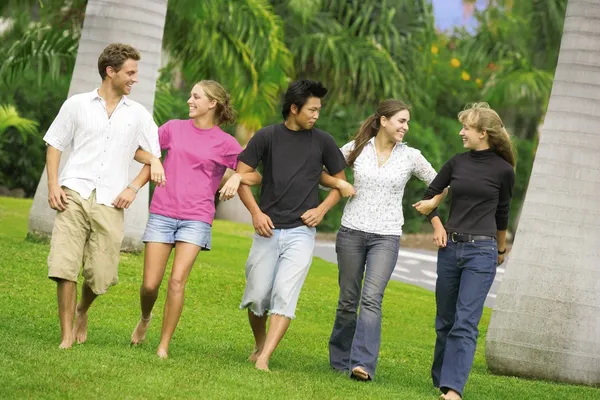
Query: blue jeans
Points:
[163, 229]
[355, 342]
[276, 269]
[466, 271]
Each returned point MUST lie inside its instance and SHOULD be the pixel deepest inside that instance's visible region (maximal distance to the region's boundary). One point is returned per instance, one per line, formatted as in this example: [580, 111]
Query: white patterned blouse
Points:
[377, 205]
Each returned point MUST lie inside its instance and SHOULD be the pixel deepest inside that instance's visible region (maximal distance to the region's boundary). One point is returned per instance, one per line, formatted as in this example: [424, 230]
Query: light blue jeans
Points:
[276, 269]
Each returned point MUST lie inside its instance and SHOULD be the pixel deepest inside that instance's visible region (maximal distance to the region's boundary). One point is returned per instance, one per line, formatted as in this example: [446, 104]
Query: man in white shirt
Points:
[105, 129]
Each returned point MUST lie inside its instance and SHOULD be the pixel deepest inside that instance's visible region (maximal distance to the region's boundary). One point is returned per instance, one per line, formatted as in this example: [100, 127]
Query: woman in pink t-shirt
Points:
[182, 210]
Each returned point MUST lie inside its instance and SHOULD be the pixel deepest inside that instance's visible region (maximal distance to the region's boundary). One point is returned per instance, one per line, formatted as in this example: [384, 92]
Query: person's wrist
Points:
[501, 252]
[133, 188]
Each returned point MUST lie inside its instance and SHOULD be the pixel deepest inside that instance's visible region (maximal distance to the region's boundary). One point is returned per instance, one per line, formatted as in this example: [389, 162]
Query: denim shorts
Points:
[276, 269]
[163, 229]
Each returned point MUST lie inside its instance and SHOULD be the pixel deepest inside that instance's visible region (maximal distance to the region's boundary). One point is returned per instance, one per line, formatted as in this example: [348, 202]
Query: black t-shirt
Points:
[481, 184]
[292, 165]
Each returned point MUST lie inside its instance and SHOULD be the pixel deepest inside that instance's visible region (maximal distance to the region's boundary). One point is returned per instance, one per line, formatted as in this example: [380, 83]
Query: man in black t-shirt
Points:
[292, 155]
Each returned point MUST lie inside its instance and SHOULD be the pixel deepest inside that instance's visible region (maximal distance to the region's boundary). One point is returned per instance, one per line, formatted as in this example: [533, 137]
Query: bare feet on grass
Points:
[66, 343]
[162, 353]
[80, 327]
[262, 364]
[139, 333]
[254, 355]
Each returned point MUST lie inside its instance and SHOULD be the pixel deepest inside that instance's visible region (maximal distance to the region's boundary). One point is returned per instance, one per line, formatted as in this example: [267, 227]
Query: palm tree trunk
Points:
[139, 23]
[546, 323]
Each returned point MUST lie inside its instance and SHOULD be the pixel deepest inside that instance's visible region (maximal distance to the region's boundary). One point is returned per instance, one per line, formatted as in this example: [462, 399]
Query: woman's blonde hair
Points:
[224, 113]
[481, 117]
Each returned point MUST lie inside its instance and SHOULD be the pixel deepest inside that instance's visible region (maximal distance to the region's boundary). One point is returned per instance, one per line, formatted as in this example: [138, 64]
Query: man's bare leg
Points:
[277, 328]
[259, 329]
[66, 293]
[156, 257]
[185, 255]
[81, 317]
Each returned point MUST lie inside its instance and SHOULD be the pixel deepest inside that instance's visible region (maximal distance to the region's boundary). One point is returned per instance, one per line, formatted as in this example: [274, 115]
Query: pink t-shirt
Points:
[194, 166]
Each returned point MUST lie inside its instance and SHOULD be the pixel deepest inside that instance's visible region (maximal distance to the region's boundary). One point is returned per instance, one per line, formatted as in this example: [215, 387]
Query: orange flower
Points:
[455, 62]
[465, 76]
[479, 82]
[434, 49]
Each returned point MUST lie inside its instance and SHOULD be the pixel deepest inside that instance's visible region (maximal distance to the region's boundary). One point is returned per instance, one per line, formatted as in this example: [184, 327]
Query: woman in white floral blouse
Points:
[368, 240]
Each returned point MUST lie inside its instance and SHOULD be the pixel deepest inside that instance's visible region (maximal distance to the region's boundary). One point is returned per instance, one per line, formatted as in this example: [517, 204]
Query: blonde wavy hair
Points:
[481, 117]
[224, 114]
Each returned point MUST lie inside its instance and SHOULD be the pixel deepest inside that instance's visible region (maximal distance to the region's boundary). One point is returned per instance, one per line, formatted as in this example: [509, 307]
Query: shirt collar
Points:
[372, 141]
[94, 95]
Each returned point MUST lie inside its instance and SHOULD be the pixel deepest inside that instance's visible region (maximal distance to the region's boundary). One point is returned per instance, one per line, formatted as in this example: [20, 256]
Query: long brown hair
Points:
[482, 118]
[224, 114]
[370, 127]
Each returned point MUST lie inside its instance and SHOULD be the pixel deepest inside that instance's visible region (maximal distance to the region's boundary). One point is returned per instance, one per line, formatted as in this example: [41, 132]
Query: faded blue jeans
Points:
[355, 341]
[466, 271]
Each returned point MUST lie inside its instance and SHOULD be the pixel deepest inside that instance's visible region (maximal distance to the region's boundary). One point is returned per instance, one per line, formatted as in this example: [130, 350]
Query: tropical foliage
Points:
[364, 51]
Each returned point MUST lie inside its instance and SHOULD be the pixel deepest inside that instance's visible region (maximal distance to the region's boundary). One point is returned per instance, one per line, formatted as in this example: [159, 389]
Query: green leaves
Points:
[9, 117]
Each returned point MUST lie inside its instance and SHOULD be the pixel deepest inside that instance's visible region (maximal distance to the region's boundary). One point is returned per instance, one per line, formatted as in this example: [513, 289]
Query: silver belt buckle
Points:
[453, 237]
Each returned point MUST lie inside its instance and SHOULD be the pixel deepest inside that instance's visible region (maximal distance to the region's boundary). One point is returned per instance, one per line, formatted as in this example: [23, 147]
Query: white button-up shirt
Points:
[102, 147]
[377, 205]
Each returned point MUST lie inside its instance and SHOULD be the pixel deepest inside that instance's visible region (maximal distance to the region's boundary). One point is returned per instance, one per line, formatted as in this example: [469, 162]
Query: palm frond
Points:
[9, 117]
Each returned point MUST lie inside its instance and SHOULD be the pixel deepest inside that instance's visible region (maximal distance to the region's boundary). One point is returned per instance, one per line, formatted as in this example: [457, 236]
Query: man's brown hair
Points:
[115, 55]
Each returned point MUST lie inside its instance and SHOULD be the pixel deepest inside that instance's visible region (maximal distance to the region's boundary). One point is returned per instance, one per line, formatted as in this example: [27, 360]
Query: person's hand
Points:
[230, 187]
[57, 198]
[312, 217]
[157, 172]
[425, 207]
[440, 237]
[345, 188]
[262, 224]
[124, 199]
[501, 258]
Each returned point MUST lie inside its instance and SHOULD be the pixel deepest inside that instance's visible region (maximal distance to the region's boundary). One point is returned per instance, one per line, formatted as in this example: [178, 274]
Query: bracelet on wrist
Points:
[130, 186]
[501, 251]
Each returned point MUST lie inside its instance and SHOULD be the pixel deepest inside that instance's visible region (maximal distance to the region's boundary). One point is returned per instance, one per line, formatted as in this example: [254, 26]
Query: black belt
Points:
[467, 237]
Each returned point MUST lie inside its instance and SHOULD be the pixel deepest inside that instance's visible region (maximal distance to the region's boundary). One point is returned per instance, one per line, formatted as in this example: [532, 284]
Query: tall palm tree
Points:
[546, 322]
[136, 22]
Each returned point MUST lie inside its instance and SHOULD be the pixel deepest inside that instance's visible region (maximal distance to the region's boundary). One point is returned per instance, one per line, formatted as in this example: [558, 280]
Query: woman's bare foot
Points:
[162, 353]
[262, 364]
[450, 395]
[66, 343]
[80, 327]
[139, 333]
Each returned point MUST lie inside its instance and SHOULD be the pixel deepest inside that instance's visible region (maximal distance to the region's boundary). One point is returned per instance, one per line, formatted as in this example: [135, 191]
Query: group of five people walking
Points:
[106, 130]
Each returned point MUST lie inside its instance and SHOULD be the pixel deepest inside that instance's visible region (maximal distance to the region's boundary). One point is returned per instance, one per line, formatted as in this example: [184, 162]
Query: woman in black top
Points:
[472, 243]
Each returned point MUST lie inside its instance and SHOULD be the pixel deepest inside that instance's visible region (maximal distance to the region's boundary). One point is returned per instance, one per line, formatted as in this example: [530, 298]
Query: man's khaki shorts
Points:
[86, 233]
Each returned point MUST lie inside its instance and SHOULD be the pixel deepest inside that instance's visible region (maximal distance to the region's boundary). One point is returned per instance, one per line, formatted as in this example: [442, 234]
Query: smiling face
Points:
[473, 139]
[123, 80]
[395, 128]
[199, 103]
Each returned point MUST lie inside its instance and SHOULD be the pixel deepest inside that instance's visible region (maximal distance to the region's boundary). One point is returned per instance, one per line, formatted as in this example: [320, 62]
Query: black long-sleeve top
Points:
[481, 184]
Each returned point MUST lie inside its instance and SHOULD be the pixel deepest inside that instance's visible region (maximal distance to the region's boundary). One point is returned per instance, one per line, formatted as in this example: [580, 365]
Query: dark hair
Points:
[370, 127]
[115, 55]
[224, 114]
[481, 117]
[298, 93]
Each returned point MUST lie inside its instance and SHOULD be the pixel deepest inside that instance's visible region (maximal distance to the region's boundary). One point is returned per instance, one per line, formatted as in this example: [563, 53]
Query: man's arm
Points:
[231, 182]
[57, 198]
[128, 195]
[314, 216]
[345, 188]
[156, 170]
[261, 221]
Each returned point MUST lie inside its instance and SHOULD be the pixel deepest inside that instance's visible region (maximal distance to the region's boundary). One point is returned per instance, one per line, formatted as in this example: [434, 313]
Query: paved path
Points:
[417, 267]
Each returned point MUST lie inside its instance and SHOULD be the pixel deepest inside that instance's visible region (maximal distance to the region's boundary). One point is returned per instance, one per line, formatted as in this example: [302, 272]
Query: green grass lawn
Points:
[209, 349]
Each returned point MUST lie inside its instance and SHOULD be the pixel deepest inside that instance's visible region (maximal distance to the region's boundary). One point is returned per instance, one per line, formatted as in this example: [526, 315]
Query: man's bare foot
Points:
[450, 395]
[262, 364]
[254, 355]
[139, 333]
[66, 343]
[162, 353]
[80, 327]
[360, 374]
